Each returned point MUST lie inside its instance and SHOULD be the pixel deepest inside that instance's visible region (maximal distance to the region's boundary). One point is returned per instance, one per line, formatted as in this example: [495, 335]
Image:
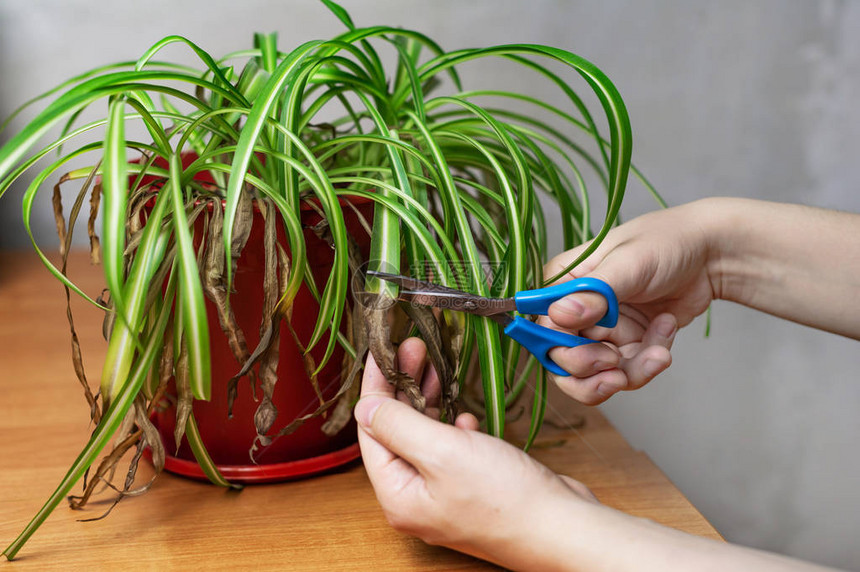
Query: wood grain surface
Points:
[331, 522]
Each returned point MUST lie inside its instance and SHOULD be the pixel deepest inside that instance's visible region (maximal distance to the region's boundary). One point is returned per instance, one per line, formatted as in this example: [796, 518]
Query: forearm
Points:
[585, 536]
[796, 262]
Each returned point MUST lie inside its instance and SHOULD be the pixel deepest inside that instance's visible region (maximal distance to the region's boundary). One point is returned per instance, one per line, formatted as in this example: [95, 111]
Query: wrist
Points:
[575, 534]
[545, 534]
[726, 233]
[561, 533]
[787, 260]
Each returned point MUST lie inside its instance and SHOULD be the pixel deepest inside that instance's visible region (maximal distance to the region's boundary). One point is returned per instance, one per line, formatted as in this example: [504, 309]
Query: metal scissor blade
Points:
[495, 308]
[438, 296]
[416, 285]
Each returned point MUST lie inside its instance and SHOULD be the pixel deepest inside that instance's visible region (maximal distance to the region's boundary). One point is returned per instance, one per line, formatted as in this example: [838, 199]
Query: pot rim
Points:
[267, 472]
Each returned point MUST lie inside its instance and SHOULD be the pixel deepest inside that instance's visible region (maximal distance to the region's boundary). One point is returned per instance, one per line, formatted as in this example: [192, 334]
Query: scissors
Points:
[537, 339]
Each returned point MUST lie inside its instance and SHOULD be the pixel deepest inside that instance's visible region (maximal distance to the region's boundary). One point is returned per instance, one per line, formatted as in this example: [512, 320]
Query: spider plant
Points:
[455, 177]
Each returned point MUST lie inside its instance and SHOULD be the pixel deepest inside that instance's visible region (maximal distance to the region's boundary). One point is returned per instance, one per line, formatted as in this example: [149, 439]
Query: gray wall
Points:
[758, 424]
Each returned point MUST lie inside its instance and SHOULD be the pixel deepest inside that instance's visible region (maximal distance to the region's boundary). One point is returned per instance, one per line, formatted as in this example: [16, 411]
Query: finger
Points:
[431, 387]
[560, 261]
[433, 413]
[579, 488]
[585, 360]
[653, 356]
[579, 310]
[618, 264]
[467, 421]
[628, 330]
[383, 466]
[373, 382]
[411, 360]
[661, 331]
[405, 432]
[595, 389]
[646, 365]
[631, 325]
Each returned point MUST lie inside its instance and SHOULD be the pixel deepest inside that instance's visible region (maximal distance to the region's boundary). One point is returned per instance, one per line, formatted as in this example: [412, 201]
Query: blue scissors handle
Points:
[537, 339]
[537, 302]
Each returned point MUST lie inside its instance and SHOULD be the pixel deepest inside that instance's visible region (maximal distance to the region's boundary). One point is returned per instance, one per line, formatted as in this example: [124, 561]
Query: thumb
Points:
[584, 309]
[404, 431]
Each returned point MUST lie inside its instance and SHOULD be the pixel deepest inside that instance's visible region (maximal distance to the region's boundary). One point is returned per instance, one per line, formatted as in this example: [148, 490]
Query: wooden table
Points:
[329, 522]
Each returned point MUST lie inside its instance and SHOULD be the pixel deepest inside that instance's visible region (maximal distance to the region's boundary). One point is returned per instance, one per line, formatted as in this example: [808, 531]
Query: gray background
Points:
[758, 424]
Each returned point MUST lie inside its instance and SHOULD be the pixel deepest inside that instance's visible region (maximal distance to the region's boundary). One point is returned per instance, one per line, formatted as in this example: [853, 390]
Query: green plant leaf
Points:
[102, 434]
[191, 302]
[114, 201]
[341, 14]
[195, 441]
[456, 184]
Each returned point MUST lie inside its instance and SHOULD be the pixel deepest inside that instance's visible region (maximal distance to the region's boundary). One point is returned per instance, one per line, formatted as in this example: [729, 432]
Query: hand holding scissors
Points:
[537, 339]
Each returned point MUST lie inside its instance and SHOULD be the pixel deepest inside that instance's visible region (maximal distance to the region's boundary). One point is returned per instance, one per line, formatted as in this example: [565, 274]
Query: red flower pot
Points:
[307, 450]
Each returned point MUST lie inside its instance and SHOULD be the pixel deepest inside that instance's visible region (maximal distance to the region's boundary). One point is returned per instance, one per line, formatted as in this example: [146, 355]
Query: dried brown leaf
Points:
[213, 273]
[104, 300]
[77, 356]
[427, 325]
[160, 277]
[266, 413]
[242, 224]
[270, 250]
[107, 463]
[59, 219]
[65, 244]
[132, 471]
[80, 373]
[452, 329]
[349, 390]
[165, 368]
[135, 222]
[184, 396]
[346, 398]
[359, 215]
[201, 249]
[379, 342]
[126, 427]
[151, 438]
[95, 245]
[262, 346]
[145, 435]
[215, 288]
[264, 418]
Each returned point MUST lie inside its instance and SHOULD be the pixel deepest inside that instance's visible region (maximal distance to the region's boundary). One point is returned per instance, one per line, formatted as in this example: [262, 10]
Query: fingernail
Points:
[365, 409]
[606, 390]
[666, 328]
[652, 367]
[571, 306]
